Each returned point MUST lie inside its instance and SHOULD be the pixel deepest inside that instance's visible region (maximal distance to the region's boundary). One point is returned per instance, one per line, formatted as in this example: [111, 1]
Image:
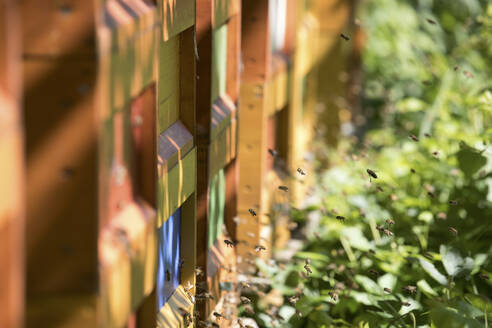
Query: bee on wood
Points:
[259, 248]
[252, 212]
[187, 318]
[431, 21]
[168, 275]
[388, 233]
[453, 202]
[410, 289]
[343, 36]
[245, 300]
[199, 271]
[229, 243]
[301, 171]
[272, 152]
[484, 276]
[188, 286]
[405, 303]
[387, 290]
[308, 269]
[340, 218]
[181, 263]
[283, 188]
[414, 138]
[453, 231]
[204, 296]
[371, 173]
[390, 222]
[218, 315]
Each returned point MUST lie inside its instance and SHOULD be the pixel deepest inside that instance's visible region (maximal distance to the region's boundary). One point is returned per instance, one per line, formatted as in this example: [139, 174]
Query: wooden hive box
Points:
[218, 45]
[267, 47]
[111, 162]
[11, 171]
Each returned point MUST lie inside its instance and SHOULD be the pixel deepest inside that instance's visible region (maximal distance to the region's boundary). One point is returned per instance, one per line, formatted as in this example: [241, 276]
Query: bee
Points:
[244, 284]
[435, 153]
[340, 218]
[298, 313]
[283, 188]
[431, 194]
[168, 275]
[272, 152]
[181, 263]
[428, 255]
[199, 271]
[380, 228]
[453, 231]
[245, 300]
[427, 82]
[379, 188]
[293, 300]
[390, 222]
[374, 272]
[456, 68]
[187, 318]
[188, 286]
[218, 315]
[249, 309]
[412, 170]
[371, 173]
[343, 36]
[441, 216]
[308, 269]
[317, 235]
[387, 290]
[292, 225]
[307, 261]
[410, 289]
[259, 248]
[252, 212]
[229, 243]
[431, 21]
[405, 303]
[413, 137]
[484, 276]
[453, 202]
[334, 296]
[301, 171]
[387, 232]
[372, 251]
[427, 135]
[468, 74]
[204, 296]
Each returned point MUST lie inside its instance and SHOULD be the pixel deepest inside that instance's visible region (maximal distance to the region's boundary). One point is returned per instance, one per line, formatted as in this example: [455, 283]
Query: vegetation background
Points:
[427, 74]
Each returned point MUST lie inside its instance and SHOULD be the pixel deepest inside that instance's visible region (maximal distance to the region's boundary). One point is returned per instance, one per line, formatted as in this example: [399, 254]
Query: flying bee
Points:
[453, 231]
[380, 228]
[431, 194]
[343, 36]
[245, 300]
[259, 248]
[405, 303]
[390, 222]
[374, 272]
[468, 74]
[340, 218]
[252, 212]
[427, 135]
[431, 21]
[484, 276]
[410, 289]
[272, 152]
[334, 296]
[229, 243]
[371, 173]
[299, 313]
[427, 82]
[435, 153]
[307, 261]
[168, 275]
[301, 171]
[244, 284]
[387, 290]
[412, 170]
[218, 315]
[413, 137]
[199, 271]
[387, 232]
[456, 68]
[293, 300]
[283, 188]
[453, 202]
[308, 269]
[379, 188]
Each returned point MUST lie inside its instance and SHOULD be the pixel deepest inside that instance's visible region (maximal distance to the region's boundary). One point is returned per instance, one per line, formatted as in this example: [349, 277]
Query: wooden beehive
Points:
[218, 44]
[11, 171]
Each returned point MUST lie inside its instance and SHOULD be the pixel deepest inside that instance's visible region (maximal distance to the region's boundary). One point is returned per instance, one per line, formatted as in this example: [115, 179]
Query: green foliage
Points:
[438, 191]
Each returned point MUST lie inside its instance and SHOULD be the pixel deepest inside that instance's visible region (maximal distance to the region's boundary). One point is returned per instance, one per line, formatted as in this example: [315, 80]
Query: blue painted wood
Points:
[168, 275]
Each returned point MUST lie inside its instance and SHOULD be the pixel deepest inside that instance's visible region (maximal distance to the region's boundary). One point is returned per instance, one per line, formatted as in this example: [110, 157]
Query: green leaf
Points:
[368, 284]
[451, 260]
[387, 281]
[470, 159]
[433, 272]
[426, 288]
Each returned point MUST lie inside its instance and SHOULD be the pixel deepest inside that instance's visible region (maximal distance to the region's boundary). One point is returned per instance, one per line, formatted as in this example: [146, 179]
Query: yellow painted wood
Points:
[128, 260]
[171, 314]
[223, 148]
[176, 184]
[176, 16]
[168, 83]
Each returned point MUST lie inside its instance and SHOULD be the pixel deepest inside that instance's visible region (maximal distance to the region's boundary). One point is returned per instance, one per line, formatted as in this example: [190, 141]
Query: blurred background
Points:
[254, 163]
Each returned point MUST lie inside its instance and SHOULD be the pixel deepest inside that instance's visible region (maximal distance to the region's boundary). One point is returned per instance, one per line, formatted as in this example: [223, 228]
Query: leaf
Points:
[433, 272]
[448, 317]
[451, 260]
[426, 288]
[368, 284]
[470, 159]
[387, 281]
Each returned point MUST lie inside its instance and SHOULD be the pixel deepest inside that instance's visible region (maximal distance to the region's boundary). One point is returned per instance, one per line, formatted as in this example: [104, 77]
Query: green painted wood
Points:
[219, 62]
[216, 207]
